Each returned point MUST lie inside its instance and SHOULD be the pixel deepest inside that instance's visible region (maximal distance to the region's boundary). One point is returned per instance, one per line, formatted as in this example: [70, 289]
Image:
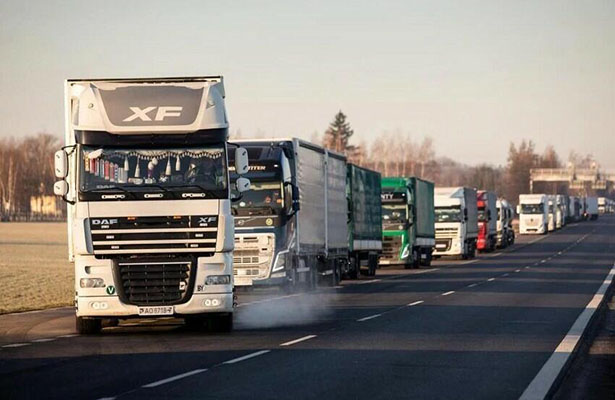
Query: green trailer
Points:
[408, 221]
[364, 220]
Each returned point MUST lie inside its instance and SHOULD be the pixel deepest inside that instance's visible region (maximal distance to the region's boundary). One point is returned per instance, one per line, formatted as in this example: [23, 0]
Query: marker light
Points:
[211, 302]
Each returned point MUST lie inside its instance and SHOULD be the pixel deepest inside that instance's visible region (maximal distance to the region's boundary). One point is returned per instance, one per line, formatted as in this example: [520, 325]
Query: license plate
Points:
[243, 281]
[155, 310]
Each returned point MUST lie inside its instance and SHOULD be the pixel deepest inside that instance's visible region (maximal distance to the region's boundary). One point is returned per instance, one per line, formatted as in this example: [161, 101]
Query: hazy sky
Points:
[473, 75]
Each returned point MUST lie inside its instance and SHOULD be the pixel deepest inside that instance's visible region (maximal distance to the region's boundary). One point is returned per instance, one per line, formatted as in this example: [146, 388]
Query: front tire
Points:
[88, 326]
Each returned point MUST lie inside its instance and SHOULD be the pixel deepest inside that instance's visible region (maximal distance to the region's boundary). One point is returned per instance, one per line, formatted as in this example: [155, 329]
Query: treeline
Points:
[26, 175]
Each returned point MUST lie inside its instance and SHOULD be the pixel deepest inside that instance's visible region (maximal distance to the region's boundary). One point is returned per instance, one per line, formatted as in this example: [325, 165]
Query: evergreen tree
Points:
[337, 136]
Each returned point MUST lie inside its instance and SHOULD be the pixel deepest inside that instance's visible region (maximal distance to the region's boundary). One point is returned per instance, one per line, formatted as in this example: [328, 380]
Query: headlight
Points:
[218, 280]
[91, 282]
[406, 252]
[280, 261]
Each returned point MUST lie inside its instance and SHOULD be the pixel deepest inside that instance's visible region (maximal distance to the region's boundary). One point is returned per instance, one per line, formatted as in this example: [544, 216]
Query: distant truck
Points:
[591, 209]
[533, 210]
[560, 211]
[407, 221]
[505, 216]
[574, 209]
[291, 228]
[551, 220]
[456, 222]
[363, 192]
[487, 220]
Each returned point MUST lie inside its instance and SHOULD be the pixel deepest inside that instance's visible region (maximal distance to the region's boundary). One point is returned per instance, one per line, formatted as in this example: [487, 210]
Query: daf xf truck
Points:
[533, 210]
[407, 221]
[291, 228]
[144, 172]
[456, 222]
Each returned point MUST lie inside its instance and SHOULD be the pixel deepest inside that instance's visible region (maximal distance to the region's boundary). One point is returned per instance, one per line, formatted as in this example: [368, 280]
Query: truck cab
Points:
[487, 223]
[407, 221]
[505, 215]
[552, 214]
[456, 222]
[533, 210]
[144, 172]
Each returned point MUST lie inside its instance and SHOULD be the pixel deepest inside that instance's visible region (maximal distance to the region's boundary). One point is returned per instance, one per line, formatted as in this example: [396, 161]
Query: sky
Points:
[472, 75]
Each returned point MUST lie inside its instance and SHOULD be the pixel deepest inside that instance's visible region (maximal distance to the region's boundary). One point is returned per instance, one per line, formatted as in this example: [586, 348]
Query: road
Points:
[461, 329]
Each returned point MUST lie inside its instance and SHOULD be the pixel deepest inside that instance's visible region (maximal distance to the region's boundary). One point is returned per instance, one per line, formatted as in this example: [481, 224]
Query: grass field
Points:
[34, 268]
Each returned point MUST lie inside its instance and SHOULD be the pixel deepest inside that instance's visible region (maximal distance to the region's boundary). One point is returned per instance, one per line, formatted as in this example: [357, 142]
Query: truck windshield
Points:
[263, 198]
[532, 208]
[448, 214]
[394, 213]
[172, 172]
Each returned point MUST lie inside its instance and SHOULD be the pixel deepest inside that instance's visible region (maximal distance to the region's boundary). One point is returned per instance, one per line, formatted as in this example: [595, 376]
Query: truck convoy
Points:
[144, 172]
[456, 222]
[533, 210]
[407, 221]
[487, 221]
[505, 216]
[291, 228]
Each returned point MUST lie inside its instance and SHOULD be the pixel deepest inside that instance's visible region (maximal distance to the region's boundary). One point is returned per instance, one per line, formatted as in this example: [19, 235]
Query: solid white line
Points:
[368, 318]
[45, 340]
[448, 293]
[416, 303]
[251, 355]
[13, 345]
[372, 281]
[173, 378]
[67, 336]
[542, 383]
[490, 279]
[308, 337]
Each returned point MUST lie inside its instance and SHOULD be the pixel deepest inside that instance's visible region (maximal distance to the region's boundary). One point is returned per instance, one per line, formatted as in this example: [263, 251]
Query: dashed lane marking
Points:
[303, 339]
[246, 357]
[517, 270]
[174, 378]
[370, 281]
[472, 285]
[416, 303]
[368, 318]
[44, 340]
[13, 345]
[490, 279]
[448, 293]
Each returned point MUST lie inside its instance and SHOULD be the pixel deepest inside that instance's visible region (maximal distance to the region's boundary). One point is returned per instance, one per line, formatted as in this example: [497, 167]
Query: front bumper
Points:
[448, 247]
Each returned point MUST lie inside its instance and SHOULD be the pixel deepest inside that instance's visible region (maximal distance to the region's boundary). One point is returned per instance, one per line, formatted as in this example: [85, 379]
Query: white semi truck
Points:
[505, 216]
[533, 210]
[560, 211]
[456, 222]
[551, 219]
[144, 172]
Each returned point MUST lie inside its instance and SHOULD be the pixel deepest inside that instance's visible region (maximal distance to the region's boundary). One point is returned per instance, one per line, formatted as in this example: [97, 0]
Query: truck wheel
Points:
[427, 261]
[416, 258]
[353, 269]
[372, 263]
[222, 323]
[88, 326]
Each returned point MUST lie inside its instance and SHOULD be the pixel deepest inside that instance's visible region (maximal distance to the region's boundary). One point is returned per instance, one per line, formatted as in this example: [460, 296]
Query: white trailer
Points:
[591, 208]
[533, 210]
[144, 172]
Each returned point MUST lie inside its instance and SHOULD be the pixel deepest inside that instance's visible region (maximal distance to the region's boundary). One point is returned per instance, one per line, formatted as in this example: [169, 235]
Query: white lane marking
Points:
[368, 318]
[303, 339]
[517, 270]
[67, 336]
[467, 262]
[506, 274]
[13, 345]
[372, 281]
[270, 299]
[448, 293]
[251, 355]
[173, 378]
[44, 340]
[107, 398]
[473, 285]
[416, 303]
[490, 279]
[548, 374]
[527, 267]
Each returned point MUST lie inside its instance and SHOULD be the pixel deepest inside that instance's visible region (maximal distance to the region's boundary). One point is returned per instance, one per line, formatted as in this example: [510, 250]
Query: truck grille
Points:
[167, 234]
[155, 282]
[446, 232]
[253, 255]
[391, 245]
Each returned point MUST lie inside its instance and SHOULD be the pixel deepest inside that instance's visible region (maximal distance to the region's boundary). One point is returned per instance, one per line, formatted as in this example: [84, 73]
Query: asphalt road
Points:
[461, 329]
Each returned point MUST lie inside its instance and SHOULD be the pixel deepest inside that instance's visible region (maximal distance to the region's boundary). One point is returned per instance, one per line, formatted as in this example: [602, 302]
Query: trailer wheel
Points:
[353, 270]
[428, 257]
[88, 326]
[372, 264]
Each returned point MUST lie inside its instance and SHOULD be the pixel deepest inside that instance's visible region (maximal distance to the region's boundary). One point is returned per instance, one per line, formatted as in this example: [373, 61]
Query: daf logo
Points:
[110, 221]
[206, 220]
[161, 113]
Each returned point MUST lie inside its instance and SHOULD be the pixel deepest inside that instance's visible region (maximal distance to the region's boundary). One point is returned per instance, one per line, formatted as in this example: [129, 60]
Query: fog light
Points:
[91, 282]
[218, 280]
[99, 305]
[212, 302]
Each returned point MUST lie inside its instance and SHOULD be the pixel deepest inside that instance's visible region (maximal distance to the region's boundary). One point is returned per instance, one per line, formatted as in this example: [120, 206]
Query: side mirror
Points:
[242, 184]
[60, 162]
[241, 161]
[60, 188]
